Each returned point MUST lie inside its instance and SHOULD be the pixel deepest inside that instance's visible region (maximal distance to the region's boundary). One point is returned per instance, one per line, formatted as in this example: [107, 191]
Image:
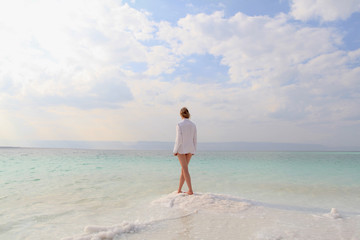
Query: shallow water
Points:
[66, 193]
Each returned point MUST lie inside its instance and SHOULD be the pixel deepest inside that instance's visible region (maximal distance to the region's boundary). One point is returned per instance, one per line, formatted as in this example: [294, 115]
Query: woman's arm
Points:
[195, 138]
[178, 140]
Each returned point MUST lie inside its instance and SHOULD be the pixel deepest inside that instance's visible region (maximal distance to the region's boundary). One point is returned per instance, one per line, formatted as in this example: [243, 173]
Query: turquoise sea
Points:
[104, 194]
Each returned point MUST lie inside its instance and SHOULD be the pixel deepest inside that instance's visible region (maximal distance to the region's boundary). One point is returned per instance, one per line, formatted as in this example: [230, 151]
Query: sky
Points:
[109, 70]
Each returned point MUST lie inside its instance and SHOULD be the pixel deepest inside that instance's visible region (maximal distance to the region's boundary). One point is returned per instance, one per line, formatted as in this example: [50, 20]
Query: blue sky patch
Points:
[202, 68]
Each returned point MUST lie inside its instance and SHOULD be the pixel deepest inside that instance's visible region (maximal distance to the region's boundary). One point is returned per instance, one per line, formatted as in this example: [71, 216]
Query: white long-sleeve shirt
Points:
[186, 137]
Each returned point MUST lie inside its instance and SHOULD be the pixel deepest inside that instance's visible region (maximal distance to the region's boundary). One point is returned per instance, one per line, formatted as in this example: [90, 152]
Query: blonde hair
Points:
[184, 112]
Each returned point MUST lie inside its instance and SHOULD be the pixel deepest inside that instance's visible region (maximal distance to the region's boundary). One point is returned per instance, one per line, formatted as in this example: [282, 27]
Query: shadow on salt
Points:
[203, 201]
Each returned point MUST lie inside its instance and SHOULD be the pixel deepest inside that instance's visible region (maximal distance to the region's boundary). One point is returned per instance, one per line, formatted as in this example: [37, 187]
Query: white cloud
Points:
[324, 10]
[62, 51]
[160, 60]
[286, 79]
[253, 47]
[284, 71]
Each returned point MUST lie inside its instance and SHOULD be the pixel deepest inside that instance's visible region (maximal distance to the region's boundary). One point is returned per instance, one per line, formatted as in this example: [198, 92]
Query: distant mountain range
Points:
[205, 146]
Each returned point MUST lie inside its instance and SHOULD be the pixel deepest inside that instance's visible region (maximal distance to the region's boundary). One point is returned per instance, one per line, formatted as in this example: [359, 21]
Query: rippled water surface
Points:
[57, 193]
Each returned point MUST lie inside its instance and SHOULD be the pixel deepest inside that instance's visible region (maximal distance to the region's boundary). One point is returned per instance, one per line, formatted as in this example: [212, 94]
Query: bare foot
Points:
[179, 191]
[190, 193]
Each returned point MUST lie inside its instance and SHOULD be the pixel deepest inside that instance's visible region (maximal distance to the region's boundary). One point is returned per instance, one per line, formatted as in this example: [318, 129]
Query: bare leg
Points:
[184, 160]
[182, 180]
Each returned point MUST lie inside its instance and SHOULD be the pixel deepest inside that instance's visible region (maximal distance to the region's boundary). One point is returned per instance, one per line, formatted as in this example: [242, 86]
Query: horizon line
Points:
[167, 145]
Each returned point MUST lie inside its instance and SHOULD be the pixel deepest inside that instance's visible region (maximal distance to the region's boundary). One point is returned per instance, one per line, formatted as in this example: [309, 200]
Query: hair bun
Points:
[184, 112]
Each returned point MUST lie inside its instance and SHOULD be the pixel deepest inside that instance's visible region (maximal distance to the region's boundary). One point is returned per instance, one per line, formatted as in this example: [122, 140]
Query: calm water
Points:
[93, 194]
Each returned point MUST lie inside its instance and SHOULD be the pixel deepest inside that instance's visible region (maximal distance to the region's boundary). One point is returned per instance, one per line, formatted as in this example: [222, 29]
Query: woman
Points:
[185, 147]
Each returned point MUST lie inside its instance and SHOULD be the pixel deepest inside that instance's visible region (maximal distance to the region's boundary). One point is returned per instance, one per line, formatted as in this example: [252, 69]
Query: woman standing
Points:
[185, 147]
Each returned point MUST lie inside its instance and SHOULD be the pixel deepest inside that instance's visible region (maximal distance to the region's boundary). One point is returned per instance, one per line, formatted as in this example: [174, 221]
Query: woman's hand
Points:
[175, 154]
